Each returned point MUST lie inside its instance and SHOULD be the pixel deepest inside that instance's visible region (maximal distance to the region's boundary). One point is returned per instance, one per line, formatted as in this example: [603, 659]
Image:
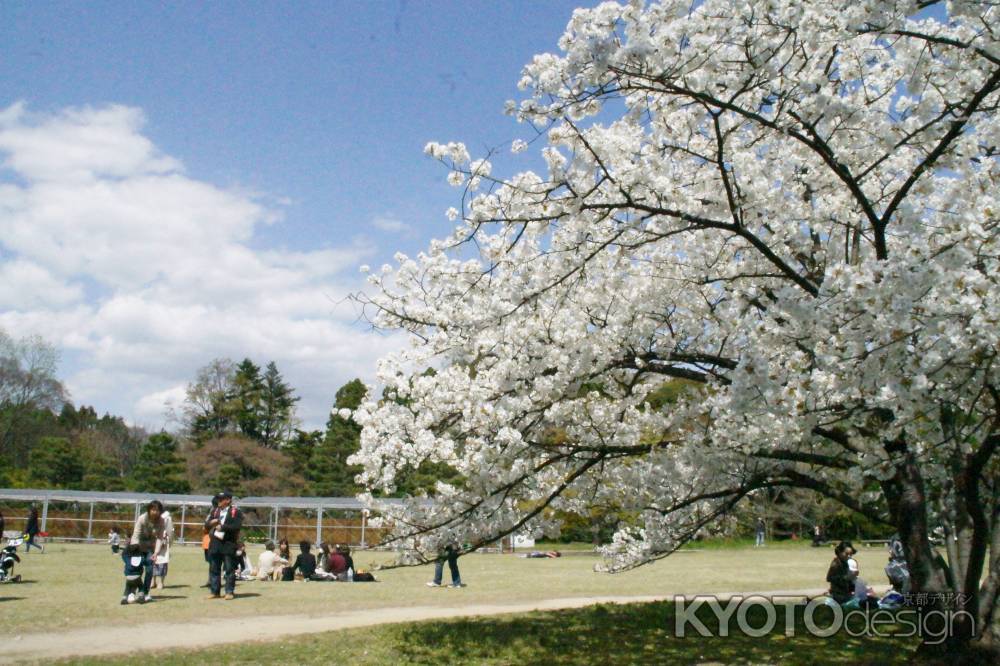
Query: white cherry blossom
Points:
[790, 208]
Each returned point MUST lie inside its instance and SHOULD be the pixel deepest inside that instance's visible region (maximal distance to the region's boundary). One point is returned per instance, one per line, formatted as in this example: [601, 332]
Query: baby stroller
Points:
[8, 557]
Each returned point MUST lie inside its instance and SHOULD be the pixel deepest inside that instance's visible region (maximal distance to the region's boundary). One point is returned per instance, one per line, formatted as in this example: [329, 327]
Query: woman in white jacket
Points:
[163, 560]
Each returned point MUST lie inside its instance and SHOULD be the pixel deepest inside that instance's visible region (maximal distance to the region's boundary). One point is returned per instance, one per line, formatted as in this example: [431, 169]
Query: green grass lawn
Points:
[74, 586]
[618, 634]
[79, 586]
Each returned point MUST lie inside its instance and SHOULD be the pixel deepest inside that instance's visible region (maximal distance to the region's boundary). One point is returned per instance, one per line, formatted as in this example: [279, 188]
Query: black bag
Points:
[364, 578]
[287, 574]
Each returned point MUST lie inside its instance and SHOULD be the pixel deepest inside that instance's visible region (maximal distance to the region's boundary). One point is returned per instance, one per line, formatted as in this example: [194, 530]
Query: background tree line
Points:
[236, 429]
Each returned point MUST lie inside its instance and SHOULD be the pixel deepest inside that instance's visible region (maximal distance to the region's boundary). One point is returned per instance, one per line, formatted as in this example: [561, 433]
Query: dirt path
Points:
[119, 640]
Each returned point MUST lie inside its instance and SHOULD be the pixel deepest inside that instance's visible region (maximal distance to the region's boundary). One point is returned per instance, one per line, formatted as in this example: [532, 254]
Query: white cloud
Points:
[173, 280]
[389, 223]
[25, 284]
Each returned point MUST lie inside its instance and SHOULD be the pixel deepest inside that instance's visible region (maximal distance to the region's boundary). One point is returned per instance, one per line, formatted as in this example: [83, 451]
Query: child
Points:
[244, 570]
[115, 539]
[135, 566]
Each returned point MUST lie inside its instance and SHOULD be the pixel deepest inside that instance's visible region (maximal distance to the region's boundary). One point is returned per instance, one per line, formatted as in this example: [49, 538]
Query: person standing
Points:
[223, 525]
[449, 554]
[32, 529]
[149, 534]
[163, 559]
[759, 532]
[114, 539]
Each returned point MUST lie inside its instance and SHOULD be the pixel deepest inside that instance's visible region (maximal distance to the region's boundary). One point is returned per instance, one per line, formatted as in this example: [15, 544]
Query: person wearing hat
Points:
[223, 525]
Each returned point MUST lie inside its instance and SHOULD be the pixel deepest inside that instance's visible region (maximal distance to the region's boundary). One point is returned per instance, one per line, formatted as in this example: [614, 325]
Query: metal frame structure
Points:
[183, 502]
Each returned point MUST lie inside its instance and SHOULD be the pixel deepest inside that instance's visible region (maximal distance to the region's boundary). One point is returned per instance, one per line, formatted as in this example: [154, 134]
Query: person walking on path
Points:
[32, 529]
[149, 535]
[760, 531]
[449, 554]
[223, 525]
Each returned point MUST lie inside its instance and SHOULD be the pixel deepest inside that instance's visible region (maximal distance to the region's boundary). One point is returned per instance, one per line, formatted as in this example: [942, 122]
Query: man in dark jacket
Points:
[223, 525]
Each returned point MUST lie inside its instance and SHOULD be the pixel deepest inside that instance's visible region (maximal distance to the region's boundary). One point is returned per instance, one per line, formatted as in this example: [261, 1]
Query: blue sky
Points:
[188, 180]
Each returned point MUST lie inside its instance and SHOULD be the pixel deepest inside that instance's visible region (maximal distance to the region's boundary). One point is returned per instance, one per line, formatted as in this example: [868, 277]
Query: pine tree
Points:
[160, 469]
[328, 472]
[102, 473]
[248, 393]
[276, 408]
[56, 463]
[300, 449]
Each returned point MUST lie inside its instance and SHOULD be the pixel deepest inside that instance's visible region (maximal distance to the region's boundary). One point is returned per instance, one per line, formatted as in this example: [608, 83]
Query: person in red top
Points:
[337, 565]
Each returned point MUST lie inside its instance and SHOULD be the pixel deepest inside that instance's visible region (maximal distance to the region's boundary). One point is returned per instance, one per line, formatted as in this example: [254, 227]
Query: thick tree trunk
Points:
[970, 609]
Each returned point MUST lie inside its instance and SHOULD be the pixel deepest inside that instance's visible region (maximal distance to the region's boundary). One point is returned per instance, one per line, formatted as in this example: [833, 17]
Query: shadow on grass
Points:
[10, 598]
[637, 633]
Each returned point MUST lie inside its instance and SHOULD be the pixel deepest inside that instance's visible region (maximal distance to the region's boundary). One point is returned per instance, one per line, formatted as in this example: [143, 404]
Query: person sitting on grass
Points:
[323, 559]
[284, 550]
[345, 552]
[305, 563]
[323, 564]
[244, 570]
[336, 565]
[864, 594]
[269, 564]
[839, 575]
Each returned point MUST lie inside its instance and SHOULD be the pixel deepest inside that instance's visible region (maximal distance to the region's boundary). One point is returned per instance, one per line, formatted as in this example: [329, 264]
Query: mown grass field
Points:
[79, 586]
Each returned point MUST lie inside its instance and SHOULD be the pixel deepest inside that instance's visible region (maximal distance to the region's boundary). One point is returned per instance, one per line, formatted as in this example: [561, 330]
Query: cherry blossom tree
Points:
[791, 206]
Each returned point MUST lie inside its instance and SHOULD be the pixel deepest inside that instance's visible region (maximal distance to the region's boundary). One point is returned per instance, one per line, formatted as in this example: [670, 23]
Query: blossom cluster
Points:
[793, 217]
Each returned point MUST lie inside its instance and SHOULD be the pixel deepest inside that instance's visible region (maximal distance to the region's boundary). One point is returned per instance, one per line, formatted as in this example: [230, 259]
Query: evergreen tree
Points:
[55, 463]
[248, 395]
[300, 449]
[229, 478]
[102, 473]
[329, 473]
[160, 469]
[276, 408]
